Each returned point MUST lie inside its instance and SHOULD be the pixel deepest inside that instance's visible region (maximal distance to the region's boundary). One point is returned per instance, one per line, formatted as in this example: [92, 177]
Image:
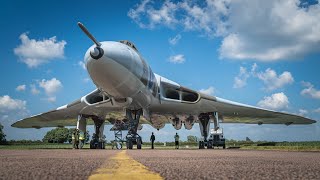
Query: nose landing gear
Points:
[133, 137]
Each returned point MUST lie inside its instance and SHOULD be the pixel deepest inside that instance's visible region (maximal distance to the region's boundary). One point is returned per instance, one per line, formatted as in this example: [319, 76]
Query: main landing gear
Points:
[133, 137]
[98, 141]
[216, 138]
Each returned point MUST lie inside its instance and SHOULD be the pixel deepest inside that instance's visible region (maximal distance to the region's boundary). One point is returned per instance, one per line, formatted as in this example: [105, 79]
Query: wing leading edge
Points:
[234, 112]
[229, 112]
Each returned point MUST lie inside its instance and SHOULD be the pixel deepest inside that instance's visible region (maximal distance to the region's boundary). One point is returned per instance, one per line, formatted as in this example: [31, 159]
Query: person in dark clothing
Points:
[176, 140]
[152, 139]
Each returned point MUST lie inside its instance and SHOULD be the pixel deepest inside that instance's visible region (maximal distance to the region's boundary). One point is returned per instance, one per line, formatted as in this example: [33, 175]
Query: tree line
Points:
[2, 135]
[61, 135]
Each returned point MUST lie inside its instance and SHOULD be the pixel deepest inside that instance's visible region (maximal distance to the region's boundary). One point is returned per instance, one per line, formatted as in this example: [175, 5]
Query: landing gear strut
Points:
[216, 135]
[204, 129]
[98, 141]
[82, 127]
[132, 136]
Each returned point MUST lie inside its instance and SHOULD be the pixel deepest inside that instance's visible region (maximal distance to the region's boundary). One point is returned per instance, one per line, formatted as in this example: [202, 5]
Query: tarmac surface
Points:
[170, 164]
[51, 164]
[230, 164]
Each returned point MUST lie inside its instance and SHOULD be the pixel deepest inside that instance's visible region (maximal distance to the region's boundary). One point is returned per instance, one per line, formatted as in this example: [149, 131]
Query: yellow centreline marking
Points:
[123, 166]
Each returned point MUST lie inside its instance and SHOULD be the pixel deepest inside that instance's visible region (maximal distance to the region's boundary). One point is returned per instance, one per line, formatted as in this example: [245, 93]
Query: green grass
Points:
[37, 146]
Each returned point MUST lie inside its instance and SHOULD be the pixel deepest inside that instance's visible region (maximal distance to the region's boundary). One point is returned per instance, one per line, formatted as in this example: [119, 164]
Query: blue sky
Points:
[263, 53]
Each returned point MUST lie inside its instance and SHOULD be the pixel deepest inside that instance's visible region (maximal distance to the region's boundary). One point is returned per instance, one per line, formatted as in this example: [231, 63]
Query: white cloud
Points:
[189, 15]
[209, 91]
[254, 68]
[9, 104]
[310, 91]
[86, 80]
[175, 40]
[241, 79]
[270, 78]
[272, 81]
[34, 53]
[34, 89]
[51, 87]
[260, 30]
[21, 87]
[12, 109]
[277, 30]
[317, 110]
[163, 15]
[303, 112]
[276, 101]
[177, 59]
[51, 99]
[82, 65]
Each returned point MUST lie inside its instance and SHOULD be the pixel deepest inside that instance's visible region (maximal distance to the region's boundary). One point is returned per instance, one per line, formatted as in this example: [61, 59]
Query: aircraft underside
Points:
[131, 123]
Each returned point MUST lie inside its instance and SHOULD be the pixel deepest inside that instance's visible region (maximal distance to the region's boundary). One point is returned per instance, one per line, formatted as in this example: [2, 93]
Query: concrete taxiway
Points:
[157, 164]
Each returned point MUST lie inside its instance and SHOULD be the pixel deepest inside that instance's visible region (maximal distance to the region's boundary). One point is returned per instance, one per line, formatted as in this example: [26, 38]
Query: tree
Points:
[57, 135]
[192, 138]
[2, 135]
[248, 139]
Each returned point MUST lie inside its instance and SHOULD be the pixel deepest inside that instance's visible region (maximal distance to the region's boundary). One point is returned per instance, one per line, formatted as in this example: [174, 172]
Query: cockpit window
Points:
[128, 43]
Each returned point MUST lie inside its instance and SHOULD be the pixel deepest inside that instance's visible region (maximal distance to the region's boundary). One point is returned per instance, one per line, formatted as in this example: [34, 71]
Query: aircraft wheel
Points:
[201, 145]
[130, 144]
[138, 143]
[209, 145]
[224, 146]
[101, 145]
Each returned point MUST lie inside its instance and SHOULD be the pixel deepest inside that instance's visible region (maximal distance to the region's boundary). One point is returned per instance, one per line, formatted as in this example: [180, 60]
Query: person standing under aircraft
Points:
[152, 139]
[75, 139]
[176, 139]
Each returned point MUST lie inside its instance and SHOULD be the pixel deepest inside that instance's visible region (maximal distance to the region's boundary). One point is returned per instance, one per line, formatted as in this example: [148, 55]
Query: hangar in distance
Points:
[129, 94]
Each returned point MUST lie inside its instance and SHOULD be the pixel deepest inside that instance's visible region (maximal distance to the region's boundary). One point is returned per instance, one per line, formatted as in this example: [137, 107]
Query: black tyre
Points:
[201, 145]
[130, 144]
[139, 143]
[224, 146]
[209, 145]
[101, 145]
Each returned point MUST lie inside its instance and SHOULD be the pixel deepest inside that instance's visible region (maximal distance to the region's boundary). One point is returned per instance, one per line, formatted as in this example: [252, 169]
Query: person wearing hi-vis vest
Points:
[75, 139]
